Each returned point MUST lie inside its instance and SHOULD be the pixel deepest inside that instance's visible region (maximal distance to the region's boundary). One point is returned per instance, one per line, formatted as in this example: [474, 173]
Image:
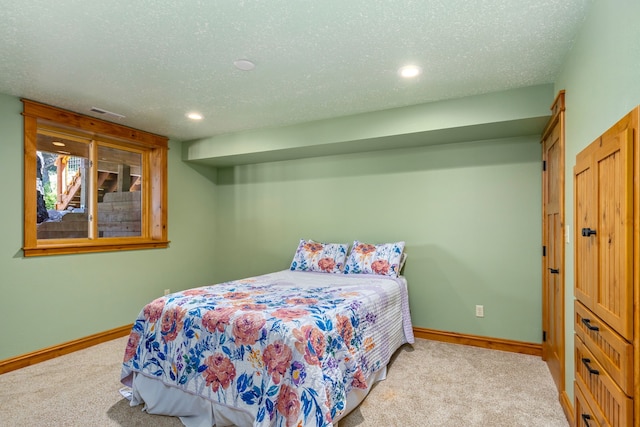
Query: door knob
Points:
[586, 232]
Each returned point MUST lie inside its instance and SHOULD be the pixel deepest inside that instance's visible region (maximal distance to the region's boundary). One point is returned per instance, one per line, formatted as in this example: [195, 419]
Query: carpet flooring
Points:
[429, 383]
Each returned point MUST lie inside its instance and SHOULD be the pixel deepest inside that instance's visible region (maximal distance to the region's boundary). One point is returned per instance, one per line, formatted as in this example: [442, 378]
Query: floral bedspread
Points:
[286, 347]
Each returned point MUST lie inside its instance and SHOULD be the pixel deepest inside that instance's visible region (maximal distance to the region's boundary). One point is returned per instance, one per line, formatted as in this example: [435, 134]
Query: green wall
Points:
[470, 214]
[601, 77]
[49, 300]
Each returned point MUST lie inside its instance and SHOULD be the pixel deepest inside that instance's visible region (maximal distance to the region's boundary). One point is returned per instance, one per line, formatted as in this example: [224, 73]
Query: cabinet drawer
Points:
[607, 401]
[613, 353]
[585, 417]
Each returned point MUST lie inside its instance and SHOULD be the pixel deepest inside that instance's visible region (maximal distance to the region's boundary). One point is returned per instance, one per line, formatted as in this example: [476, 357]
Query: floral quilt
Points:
[286, 347]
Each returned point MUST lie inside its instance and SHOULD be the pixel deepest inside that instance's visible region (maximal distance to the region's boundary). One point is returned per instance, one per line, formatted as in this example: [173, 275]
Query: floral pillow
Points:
[383, 259]
[321, 257]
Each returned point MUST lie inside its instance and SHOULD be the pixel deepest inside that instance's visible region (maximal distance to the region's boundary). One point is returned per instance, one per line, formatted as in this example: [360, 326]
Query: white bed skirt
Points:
[195, 411]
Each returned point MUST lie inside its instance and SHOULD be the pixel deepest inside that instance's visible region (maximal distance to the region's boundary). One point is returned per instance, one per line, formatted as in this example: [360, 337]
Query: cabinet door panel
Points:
[614, 179]
[586, 258]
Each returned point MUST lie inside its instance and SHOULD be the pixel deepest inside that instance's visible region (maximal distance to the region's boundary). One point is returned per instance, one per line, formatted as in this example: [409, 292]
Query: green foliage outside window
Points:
[50, 197]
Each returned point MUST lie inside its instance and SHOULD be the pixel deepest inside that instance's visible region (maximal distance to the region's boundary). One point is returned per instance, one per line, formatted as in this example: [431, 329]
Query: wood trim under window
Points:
[154, 200]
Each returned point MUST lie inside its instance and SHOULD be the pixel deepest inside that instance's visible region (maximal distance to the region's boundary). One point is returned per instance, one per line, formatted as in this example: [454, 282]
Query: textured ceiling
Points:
[153, 61]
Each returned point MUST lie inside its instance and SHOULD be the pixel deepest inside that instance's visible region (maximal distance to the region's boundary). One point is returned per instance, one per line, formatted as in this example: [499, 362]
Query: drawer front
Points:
[613, 353]
[608, 402]
[585, 417]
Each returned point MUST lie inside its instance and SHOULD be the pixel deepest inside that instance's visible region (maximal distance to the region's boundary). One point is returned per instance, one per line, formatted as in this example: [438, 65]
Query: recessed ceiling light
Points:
[194, 116]
[58, 143]
[244, 64]
[409, 71]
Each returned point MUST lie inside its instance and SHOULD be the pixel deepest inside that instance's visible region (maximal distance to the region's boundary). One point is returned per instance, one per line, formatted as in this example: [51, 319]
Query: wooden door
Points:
[553, 244]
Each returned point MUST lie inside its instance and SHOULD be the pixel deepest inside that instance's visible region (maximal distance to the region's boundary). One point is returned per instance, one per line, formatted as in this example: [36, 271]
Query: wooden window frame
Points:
[154, 197]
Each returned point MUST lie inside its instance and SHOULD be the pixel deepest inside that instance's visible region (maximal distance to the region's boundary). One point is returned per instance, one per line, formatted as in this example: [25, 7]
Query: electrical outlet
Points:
[167, 291]
[479, 310]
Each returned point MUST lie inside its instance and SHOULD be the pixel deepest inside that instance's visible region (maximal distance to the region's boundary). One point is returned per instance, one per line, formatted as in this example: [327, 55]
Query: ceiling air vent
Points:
[109, 113]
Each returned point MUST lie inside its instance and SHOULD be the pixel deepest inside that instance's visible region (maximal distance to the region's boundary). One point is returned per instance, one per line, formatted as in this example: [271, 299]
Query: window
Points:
[91, 185]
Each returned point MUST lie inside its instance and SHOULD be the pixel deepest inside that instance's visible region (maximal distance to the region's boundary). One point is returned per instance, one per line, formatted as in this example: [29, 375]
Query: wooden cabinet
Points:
[606, 188]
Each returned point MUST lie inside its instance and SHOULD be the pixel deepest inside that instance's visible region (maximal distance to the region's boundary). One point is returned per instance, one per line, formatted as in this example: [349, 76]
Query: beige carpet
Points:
[428, 384]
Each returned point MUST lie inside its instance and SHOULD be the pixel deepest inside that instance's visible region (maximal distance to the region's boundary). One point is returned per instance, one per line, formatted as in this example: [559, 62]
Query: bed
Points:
[292, 348]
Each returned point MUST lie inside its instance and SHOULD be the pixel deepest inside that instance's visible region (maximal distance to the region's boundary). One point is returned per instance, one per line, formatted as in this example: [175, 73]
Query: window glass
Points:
[119, 192]
[62, 177]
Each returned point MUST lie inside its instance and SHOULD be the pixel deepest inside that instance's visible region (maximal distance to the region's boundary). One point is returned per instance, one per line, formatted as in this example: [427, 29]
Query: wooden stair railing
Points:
[69, 193]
